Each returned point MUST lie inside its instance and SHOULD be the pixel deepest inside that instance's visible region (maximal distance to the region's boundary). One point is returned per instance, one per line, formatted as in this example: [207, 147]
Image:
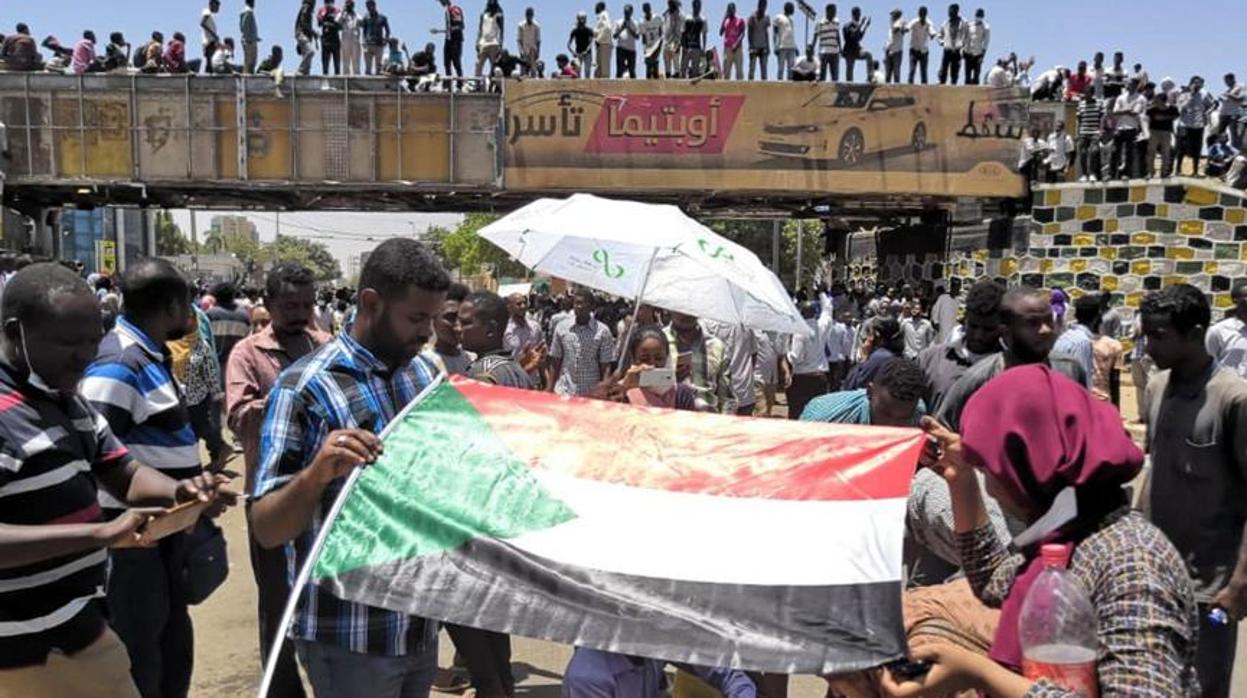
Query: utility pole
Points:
[775, 246]
[800, 239]
[194, 243]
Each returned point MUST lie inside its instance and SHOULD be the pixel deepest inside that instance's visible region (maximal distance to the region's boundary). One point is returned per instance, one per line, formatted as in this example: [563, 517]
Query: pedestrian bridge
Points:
[365, 143]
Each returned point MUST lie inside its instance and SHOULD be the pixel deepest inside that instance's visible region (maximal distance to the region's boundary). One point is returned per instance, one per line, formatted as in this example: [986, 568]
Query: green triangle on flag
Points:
[444, 479]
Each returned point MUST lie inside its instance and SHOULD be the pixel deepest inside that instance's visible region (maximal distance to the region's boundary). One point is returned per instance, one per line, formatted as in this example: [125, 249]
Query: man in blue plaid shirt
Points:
[322, 421]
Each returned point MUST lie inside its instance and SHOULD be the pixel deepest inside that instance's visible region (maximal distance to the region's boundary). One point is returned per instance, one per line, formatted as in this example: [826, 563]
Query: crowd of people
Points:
[1129, 127]
[109, 388]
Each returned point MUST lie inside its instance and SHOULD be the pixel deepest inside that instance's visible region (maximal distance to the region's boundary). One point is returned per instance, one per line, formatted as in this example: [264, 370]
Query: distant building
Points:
[211, 268]
[231, 226]
[104, 239]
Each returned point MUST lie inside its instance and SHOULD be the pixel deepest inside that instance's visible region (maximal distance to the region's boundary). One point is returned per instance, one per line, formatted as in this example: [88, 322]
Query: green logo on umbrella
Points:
[719, 251]
[612, 271]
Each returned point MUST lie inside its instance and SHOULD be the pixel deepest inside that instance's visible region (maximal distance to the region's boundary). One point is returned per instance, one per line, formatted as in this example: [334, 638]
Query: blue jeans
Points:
[341, 673]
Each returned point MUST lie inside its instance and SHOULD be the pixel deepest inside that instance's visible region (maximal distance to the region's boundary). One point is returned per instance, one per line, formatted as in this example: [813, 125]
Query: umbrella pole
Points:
[636, 310]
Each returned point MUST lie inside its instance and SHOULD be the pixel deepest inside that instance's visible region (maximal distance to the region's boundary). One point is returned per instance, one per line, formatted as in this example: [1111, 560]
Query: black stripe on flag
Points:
[785, 629]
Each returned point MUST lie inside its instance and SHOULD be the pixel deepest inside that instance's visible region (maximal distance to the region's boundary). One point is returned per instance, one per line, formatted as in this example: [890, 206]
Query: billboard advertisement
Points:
[805, 138]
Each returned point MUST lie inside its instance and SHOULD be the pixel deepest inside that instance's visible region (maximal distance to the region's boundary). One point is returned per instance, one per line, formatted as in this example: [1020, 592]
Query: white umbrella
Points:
[651, 253]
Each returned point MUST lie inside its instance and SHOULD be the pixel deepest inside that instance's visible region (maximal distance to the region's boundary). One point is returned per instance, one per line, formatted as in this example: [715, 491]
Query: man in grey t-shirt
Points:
[742, 353]
[1197, 494]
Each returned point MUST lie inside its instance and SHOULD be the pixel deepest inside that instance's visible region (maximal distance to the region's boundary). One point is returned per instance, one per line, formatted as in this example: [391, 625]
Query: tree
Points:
[313, 255]
[170, 241]
[755, 235]
[465, 250]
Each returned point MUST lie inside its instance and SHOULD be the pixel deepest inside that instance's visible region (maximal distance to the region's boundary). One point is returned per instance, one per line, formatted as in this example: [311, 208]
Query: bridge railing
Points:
[172, 130]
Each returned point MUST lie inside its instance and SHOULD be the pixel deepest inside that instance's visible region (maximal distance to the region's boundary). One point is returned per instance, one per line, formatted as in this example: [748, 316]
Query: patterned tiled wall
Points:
[1124, 240]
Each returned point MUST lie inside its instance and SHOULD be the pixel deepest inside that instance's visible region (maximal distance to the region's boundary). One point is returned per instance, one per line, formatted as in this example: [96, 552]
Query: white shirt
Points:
[350, 28]
[651, 35]
[999, 76]
[920, 34]
[207, 24]
[221, 58]
[602, 30]
[1060, 145]
[944, 314]
[806, 354]
[785, 39]
[953, 39]
[529, 36]
[839, 343]
[896, 38]
[1227, 343]
[627, 37]
[978, 36]
[491, 33]
[1127, 109]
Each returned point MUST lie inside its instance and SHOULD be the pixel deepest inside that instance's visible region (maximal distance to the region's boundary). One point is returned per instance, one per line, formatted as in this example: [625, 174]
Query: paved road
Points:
[227, 661]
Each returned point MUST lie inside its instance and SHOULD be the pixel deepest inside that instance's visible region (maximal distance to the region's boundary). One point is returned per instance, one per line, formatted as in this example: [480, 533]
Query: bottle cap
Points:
[1054, 555]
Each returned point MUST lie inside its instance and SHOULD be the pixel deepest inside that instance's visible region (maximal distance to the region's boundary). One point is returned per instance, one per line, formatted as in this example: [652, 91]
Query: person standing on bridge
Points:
[351, 34]
[528, 41]
[694, 43]
[626, 33]
[733, 32]
[305, 37]
[953, 39]
[330, 38]
[895, 50]
[249, 34]
[489, 37]
[651, 41]
[978, 38]
[672, 33]
[603, 41]
[827, 34]
[208, 33]
[921, 31]
[580, 43]
[376, 31]
[854, 37]
[759, 29]
[785, 42]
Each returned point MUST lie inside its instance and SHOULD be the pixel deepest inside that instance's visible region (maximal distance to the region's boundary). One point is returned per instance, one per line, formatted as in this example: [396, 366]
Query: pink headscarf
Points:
[1037, 432]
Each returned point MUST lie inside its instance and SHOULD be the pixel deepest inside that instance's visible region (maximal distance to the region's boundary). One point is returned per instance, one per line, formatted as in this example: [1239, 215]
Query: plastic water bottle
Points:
[1057, 628]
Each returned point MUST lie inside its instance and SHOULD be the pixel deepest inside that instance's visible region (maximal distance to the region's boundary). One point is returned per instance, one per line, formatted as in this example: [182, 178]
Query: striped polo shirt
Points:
[131, 383]
[51, 449]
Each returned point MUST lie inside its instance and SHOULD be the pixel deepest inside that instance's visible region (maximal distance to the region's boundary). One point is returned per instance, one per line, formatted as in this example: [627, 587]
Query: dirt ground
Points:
[227, 659]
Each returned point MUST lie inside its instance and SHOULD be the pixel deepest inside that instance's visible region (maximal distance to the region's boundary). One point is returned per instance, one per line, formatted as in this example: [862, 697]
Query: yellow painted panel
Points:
[1111, 225]
[1236, 216]
[979, 255]
[1141, 267]
[1051, 228]
[1223, 300]
[424, 145]
[1174, 280]
[1199, 196]
[1142, 239]
[1138, 194]
[1008, 266]
[1075, 293]
[99, 140]
[1046, 265]
[1052, 197]
[268, 139]
[1162, 210]
[1085, 213]
[227, 140]
[1210, 267]
[1191, 227]
[1078, 265]
[1084, 240]
[1133, 300]
[1108, 253]
[1180, 253]
[1108, 283]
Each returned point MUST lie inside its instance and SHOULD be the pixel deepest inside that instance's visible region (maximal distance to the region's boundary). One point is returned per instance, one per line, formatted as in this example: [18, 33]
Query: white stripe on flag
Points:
[732, 540]
[49, 576]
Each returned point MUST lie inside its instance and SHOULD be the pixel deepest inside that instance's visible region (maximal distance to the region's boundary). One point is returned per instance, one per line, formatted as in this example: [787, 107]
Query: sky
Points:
[345, 234]
[1172, 39]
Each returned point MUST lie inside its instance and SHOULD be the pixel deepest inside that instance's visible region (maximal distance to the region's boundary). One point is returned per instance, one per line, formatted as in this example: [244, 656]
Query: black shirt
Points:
[582, 36]
[51, 450]
[693, 28]
[1162, 118]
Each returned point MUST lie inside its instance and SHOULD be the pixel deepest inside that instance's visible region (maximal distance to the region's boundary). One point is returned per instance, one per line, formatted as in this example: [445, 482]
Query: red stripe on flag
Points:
[10, 400]
[698, 453]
